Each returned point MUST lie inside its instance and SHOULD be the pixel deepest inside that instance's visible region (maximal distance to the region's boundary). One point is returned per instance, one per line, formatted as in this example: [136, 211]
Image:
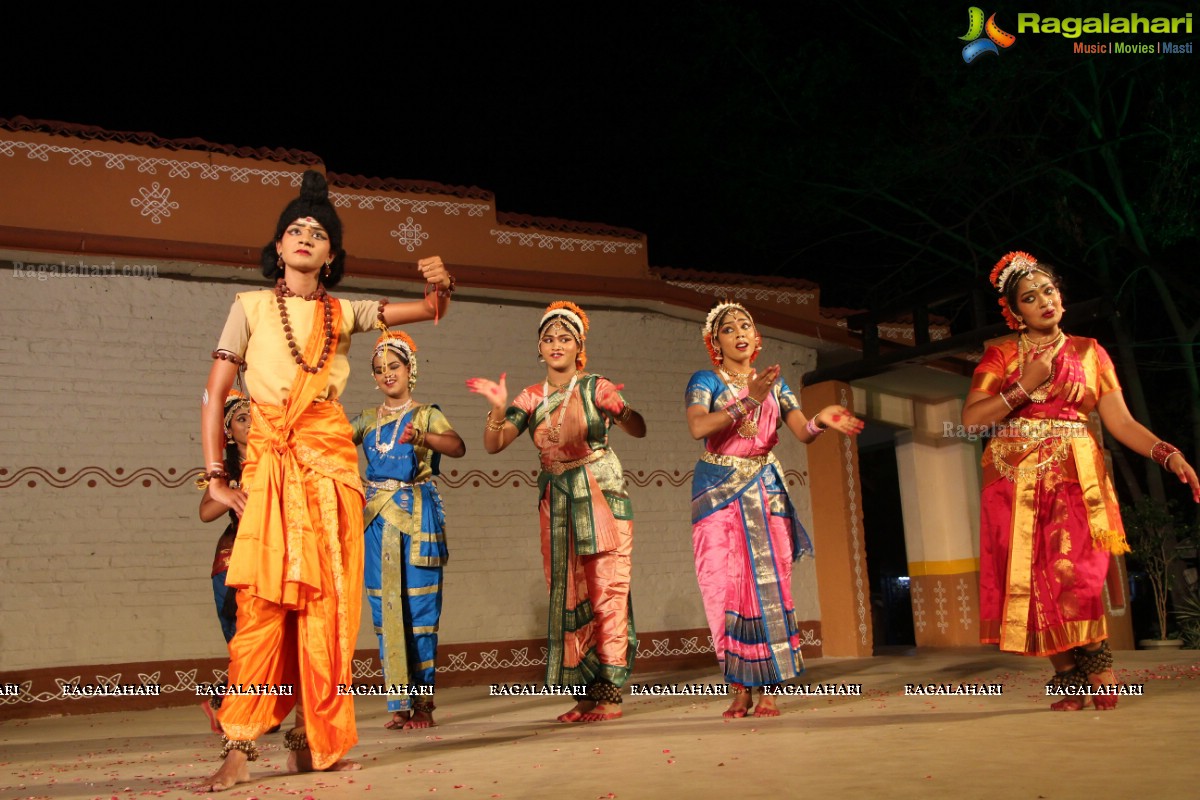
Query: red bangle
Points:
[1161, 452]
[1014, 396]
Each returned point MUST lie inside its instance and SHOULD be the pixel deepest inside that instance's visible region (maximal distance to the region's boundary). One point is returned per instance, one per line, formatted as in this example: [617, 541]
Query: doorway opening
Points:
[887, 558]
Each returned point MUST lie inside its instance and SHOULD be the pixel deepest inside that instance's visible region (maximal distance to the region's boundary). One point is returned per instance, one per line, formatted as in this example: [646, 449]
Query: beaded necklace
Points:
[282, 291]
[390, 410]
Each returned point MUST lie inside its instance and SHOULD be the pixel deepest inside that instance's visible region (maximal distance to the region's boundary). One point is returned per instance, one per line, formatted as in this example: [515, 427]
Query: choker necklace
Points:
[1041, 347]
[554, 432]
[380, 446]
[738, 380]
[286, 291]
[282, 291]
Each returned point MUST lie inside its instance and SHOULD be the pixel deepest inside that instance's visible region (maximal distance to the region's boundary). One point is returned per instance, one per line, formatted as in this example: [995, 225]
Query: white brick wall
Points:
[106, 373]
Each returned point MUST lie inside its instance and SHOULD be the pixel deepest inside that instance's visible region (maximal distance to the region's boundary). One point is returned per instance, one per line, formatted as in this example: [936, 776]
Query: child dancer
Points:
[405, 535]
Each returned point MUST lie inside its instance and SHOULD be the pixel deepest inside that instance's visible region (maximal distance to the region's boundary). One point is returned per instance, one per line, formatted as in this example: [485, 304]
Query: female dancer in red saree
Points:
[745, 532]
[1049, 513]
[585, 513]
[298, 559]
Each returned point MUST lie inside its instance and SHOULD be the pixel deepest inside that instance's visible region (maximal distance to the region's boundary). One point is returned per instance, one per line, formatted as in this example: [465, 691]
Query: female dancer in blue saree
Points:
[405, 534]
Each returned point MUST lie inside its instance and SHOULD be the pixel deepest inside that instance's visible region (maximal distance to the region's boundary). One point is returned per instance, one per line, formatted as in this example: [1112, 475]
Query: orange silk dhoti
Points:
[298, 566]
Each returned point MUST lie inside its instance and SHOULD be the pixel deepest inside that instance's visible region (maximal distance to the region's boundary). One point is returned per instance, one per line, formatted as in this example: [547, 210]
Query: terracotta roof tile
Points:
[676, 274]
[566, 226]
[836, 312]
[408, 186]
[153, 140]
[298, 157]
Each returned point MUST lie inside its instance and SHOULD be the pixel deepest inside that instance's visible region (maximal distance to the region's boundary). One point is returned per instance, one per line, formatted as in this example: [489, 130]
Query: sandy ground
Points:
[882, 744]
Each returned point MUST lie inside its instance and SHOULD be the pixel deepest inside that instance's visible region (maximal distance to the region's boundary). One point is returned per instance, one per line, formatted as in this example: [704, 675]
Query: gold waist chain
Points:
[1031, 435]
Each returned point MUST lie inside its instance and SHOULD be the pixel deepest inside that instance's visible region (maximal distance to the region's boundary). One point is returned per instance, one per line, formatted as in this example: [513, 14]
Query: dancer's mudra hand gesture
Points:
[761, 382]
[495, 393]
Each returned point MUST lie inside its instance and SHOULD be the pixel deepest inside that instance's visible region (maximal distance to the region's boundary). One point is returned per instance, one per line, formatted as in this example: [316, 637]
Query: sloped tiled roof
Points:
[700, 276]
[408, 186]
[839, 313]
[566, 226]
[278, 154]
[152, 140]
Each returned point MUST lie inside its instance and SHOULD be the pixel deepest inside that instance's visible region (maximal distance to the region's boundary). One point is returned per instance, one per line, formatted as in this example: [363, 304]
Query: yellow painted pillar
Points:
[939, 495]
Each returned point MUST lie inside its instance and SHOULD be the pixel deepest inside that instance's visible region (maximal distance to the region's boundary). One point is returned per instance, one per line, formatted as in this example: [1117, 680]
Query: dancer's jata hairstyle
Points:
[312, 202]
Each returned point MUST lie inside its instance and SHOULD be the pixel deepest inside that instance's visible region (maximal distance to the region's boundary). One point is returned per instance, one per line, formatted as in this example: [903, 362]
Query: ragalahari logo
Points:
[976, 27]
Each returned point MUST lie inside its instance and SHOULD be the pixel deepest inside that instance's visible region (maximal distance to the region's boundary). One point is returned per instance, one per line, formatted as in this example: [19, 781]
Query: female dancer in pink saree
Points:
[744, 529]
[1049, 513]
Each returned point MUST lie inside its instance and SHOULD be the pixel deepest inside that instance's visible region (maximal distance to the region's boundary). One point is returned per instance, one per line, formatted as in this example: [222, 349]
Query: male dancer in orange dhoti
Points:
[298, 561]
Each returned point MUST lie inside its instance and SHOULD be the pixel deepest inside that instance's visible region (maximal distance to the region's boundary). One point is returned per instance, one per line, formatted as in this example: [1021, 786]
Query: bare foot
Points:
[1065, 679]
[740, 704]
[235, 770]
[399, 720]
[576, 713]
[420, 719]
[1100, 681]
[1068, 704]
[766, 706]
[602, 712]
[301, 761]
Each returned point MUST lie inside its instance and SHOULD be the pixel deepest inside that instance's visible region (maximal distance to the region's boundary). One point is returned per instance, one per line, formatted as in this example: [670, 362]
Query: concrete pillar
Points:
[841, 557]
[939, 494]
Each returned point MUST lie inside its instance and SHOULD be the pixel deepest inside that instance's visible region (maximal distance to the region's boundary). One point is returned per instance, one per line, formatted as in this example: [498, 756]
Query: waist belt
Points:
[1016, 440]
[1041, 428]
[741, 463]
[559, 467]
[392, 485]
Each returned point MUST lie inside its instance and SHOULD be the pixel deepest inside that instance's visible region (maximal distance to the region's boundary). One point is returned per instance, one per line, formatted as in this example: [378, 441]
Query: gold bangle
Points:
[494, 426]
[625, 414]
